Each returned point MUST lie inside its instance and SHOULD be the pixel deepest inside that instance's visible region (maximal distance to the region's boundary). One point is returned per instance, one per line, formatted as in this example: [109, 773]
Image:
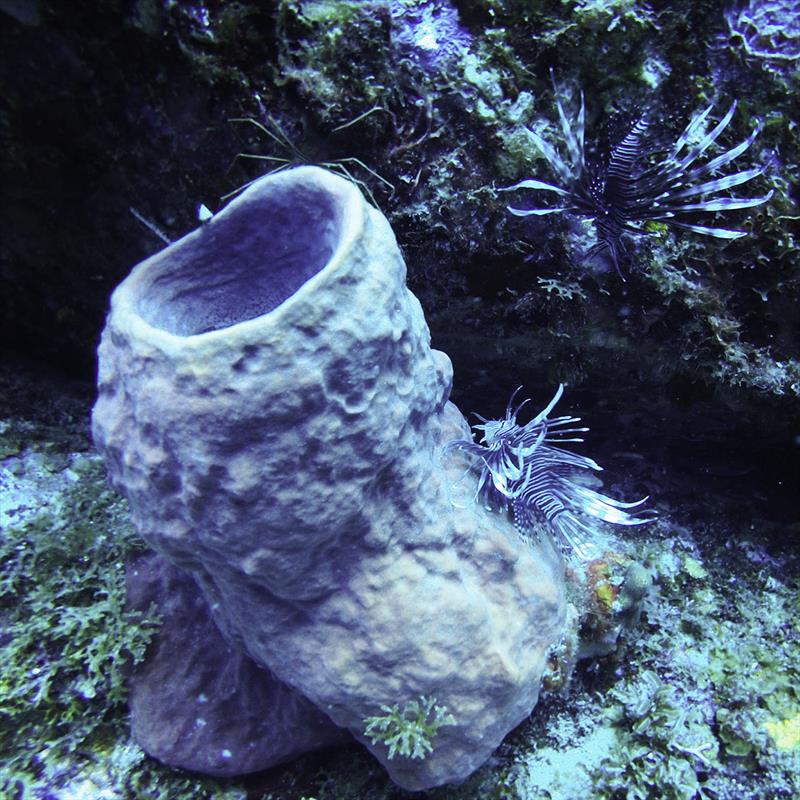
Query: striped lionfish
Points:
[623, 191]
[525, 471]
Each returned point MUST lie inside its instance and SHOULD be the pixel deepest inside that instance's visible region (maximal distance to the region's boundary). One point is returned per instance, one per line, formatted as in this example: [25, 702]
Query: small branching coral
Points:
[408, 732]
[630, 187]
[525, 472]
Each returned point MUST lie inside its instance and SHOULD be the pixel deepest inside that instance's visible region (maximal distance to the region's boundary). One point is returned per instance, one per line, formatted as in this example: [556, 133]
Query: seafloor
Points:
[699, 698]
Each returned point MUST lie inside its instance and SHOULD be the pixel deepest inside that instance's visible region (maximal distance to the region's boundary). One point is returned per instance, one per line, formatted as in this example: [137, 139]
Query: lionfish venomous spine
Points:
[624, 192]
[524, 470]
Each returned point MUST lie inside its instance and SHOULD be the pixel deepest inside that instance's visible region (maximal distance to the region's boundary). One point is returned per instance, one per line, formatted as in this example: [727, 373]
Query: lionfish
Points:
[524, 470]
[623, 192]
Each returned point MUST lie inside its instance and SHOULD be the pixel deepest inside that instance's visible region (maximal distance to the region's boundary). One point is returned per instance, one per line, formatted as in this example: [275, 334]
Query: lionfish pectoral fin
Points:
[532, 183]
[524, 520]
[707, 140]
[549, 407]
[606, 508]
[574, 534]
[697, 121]
[535, 212]
[557, 163]
[607, 244]
[714, 204]
[718, 184]
[717, 233]
[725, 158]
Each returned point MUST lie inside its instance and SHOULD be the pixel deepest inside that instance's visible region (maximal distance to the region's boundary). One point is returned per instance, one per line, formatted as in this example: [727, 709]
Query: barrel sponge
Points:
[269, 403]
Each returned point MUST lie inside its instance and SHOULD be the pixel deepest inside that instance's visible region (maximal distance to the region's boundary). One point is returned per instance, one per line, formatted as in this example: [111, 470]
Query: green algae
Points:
[408, 732]
[66, 637]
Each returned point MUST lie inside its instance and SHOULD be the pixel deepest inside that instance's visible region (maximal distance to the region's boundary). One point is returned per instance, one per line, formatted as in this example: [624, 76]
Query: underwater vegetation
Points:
[525, 470]
[408, 732]
[627, 188]
[705, 710]
[67, 640]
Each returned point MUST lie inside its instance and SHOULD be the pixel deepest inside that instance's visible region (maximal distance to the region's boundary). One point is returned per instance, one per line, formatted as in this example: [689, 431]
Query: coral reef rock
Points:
[270, 406]
[767, 32]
